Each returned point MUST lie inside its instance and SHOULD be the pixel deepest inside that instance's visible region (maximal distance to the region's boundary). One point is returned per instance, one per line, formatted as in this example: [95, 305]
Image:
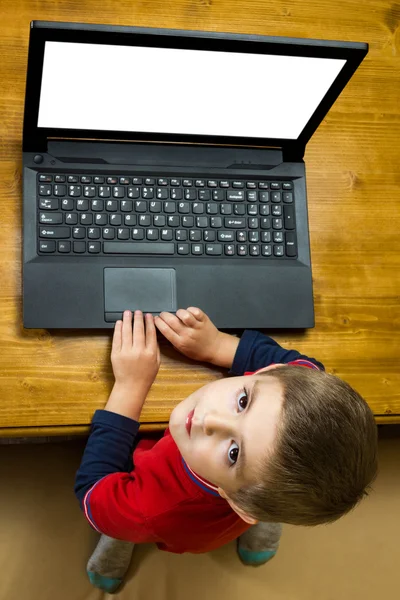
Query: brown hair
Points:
[325, 453]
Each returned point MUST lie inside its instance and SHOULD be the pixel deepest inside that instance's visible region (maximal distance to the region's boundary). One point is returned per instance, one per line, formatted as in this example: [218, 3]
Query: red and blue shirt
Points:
[146, 492]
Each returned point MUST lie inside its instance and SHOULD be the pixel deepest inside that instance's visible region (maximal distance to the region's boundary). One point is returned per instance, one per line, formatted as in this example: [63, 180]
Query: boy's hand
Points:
[193, 333]
[135, 358]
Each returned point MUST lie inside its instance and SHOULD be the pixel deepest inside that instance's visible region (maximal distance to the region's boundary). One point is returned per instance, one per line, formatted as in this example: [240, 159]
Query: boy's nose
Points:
[215, 423]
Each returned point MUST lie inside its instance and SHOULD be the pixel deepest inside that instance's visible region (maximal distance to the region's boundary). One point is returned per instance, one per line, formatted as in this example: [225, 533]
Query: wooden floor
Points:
[52, 382]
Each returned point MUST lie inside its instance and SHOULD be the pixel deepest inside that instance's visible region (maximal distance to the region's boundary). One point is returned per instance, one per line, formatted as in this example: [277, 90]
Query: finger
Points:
[151, 333]
[186, 317]
[166, 330]
[117, 337]
[197, 313]
[127, 328]
[174, 323]
[138, 329]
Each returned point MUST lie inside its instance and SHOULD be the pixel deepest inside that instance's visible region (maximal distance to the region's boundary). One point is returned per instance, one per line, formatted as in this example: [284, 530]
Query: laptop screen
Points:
[167, 90]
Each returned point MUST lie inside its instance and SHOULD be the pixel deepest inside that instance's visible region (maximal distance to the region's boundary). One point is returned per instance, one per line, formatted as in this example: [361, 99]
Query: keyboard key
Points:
[287, 185]
[140, 206]
[123, 233]
[181, 235]
[104, 191]
[160, 220]
[187, 221]
[187, 183]
[54, 232]
[115, 220]
[137, 181]
[78, 233]
[237, 184]
[73, 179]
[64, 247]
[101, 219]
[98, 179]
[175, 182]
[169, 207]
[198, 208]
[252, 209]
[93, 233]
[195, 235]
[264, 196]
[74, 190]
[149, 181]
[108, 233]
[204, 195]
[152, 234]
[263, 185]
[242, 250]
[49, 203]
[60, 179]
[275, 185]
[218, 195]
[166, 235]
[173, 221]
[79, 247]
[111, 205]
[190, 195]
[278, 250]
[52, 218]
[252, 196]
[162, 181]
[251, 185]
[176, 193]
[89, 191]
[266, 223]
[67, 204]
[162, 193]
[197, 249]
[112, 180]
[118, 191]
[235, 195]
[234, 223]
[45, 190]
[46, 179]
[141, 248]
[255, 250]
[290, 239]
[49, 246]
[155, 206]
[239, 209]
[94, 247]
[184, 207]
[226, 209]
[212, 183]
[126, 205]
[266, 250]
[229, 250]
[144, 220]
[209, 235]
[276, 210]
[138, 234]
[71, 219]
[275, 196]
[266, 236]
[253, 222]
[214, 249]
[216, 222]
[148, 192]
[133, 192]
[277, 223]
[97, 205]
[226, 236]
[264, 210]
[288, 217]
[287, 197]
[130, 220]
[278, 237]
[241, 236]
[224, 183]
[211, 208]
[124, 180]
[86, 179]
[183, 248]
[200, 183]
[254, 237]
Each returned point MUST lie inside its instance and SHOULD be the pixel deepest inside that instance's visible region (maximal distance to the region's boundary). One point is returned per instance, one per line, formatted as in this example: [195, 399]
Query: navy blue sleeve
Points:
[256, 351]
[108, 450]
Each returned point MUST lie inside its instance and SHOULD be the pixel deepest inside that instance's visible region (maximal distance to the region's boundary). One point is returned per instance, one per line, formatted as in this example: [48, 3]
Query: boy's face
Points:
[234, 420]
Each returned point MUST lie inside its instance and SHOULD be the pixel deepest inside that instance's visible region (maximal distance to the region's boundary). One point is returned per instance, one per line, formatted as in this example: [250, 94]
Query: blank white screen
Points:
[166, 90]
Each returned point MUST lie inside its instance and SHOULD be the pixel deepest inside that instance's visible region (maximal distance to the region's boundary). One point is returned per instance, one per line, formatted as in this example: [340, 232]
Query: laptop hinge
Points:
[293, 152]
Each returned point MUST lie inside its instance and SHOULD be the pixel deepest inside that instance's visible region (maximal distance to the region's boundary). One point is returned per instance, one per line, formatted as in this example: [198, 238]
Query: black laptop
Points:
[164, 169]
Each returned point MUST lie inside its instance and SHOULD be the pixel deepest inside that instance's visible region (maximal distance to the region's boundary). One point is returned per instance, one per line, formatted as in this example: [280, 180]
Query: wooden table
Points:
[52, 382]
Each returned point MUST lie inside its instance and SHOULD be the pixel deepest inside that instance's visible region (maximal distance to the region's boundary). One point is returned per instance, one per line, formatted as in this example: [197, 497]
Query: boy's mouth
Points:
[188, 423]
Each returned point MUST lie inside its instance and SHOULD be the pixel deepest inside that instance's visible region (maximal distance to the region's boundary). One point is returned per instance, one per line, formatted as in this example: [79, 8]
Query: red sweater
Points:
[161, 500]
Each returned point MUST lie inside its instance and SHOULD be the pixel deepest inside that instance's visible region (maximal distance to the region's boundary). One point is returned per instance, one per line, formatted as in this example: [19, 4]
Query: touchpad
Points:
[148, 290]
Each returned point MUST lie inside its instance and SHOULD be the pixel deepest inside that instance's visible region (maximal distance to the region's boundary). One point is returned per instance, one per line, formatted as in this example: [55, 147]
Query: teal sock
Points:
[259, 543]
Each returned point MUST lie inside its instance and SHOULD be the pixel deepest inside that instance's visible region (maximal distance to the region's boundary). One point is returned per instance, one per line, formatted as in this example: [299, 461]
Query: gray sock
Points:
[259, 543]
[109, 563]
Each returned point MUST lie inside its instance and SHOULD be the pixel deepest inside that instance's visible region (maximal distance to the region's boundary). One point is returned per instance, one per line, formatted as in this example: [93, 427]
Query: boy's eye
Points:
[242, 401]
[233, 453]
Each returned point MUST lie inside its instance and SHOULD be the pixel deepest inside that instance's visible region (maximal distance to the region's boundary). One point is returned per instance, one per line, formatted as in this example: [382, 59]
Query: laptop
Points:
[164, 169]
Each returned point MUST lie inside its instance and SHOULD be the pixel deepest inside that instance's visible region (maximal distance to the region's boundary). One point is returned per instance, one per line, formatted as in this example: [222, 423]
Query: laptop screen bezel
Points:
[35, 138]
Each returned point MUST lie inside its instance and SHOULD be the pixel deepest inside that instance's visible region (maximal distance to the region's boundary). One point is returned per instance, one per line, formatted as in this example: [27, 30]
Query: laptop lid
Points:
[127, 83]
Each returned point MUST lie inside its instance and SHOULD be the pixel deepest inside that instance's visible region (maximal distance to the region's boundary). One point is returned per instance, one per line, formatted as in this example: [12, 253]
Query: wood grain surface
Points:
[54, 381]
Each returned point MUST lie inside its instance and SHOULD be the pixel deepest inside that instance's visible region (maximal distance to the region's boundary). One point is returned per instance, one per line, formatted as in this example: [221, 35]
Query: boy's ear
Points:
[243, 515]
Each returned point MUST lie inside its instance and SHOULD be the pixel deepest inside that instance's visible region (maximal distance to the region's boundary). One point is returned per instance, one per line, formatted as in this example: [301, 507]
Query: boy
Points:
[282, 442]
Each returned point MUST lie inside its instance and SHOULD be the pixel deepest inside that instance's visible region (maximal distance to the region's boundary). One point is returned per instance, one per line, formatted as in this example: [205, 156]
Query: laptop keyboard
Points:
[116, 215]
